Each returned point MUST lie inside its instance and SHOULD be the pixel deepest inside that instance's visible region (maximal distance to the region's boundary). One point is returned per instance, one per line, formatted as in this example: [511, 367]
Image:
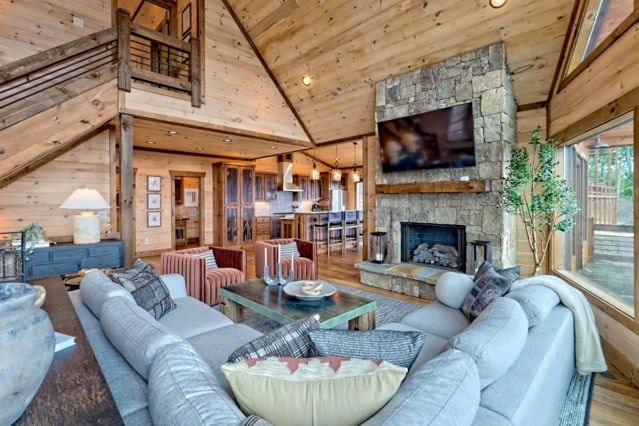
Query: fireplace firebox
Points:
[434, 244]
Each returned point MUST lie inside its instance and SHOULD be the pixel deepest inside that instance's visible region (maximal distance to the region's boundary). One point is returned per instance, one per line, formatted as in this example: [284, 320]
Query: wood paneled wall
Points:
[606, 88]
[31, 26]
[146, 163]
[37, 196]
[239, 94]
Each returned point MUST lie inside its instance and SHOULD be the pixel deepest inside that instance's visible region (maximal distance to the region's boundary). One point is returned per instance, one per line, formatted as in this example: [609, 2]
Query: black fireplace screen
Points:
[434, 244]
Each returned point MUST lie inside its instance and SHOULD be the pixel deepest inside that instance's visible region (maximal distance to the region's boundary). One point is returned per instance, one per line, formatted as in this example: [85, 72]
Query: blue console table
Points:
[67, 258]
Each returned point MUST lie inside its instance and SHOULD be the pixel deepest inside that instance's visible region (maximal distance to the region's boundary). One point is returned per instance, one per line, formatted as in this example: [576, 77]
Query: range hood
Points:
[285, 174]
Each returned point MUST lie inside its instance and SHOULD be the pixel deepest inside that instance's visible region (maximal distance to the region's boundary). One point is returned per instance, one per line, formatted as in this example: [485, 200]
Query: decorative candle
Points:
[292, 264]
[279, 247]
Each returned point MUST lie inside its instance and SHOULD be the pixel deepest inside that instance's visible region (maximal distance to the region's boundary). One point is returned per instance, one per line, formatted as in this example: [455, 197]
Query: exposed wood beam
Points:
[347, 139]
[190, 154]
[532, 106]
[259, 56]
[316, 159]
[137, 10]
[127, 191]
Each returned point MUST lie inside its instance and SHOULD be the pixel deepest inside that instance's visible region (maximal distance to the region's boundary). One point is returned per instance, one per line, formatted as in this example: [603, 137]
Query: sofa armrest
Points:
[192, 268]
[176, 285]
[230, 258]
[307, 249]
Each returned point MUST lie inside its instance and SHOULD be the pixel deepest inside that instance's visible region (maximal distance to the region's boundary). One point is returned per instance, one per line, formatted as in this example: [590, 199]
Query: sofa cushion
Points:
[438, 319]
[209, 258]
[495, 339]
[397, 347]
[536, 300]
[291, 340]
[433, 344]
[146, 287]
[443, 391]
[192, 317]
[488, 286]
[96, 288]
[184, 390]
[452, 288]
[313, 391]
[134, 333]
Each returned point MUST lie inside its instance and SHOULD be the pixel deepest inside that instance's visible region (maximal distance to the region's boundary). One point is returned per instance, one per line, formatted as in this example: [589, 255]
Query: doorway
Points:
[187, 209]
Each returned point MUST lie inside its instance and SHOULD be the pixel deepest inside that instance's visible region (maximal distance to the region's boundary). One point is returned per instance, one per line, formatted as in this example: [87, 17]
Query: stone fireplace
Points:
[479, 77]
[434, 245]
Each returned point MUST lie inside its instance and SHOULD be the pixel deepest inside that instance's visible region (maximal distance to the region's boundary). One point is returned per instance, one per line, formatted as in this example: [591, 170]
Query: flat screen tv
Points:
[432, 140]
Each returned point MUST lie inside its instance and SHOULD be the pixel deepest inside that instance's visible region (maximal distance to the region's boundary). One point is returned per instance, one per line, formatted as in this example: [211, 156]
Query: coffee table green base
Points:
[273, 303]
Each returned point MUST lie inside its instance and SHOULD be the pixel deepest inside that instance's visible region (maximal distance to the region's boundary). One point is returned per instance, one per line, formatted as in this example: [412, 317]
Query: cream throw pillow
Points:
[313, 391]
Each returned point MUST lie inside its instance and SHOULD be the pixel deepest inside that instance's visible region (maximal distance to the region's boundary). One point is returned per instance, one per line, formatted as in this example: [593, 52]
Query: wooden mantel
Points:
[433, 187]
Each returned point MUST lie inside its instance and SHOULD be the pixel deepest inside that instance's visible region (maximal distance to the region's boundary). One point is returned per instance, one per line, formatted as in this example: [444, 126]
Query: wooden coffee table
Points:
[273, 303]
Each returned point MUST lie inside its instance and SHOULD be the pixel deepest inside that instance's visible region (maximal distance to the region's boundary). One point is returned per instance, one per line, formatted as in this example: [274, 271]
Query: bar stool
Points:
[320, 229]
[335, 231]
[350, 228]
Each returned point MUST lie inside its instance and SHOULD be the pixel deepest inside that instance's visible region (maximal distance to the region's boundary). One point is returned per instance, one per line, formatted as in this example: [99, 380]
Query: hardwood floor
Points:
[615, 400]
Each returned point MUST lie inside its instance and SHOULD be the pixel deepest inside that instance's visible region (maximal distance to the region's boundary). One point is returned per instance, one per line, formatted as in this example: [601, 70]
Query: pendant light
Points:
[336, 174]
[315, 174]
[355, 175]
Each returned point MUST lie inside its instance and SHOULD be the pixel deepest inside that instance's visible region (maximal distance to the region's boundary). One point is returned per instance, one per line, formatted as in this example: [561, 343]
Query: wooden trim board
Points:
[433, 187]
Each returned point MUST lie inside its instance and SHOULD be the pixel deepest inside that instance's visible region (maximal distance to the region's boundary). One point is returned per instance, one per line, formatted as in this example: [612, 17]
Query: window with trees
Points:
[599, 252]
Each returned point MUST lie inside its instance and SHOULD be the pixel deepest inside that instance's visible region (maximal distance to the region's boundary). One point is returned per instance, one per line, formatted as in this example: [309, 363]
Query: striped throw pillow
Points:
[286, 250]
[208, 257]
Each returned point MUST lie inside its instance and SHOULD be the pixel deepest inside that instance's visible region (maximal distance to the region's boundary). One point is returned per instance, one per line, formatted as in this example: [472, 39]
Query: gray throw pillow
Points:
[289, 341]
[147, 288]
[397, 347]
[286, 250]
[488, 286]
[536, 300]
[208, 257]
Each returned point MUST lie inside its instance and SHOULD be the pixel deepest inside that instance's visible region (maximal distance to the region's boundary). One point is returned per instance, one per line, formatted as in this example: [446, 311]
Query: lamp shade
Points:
[85, 199]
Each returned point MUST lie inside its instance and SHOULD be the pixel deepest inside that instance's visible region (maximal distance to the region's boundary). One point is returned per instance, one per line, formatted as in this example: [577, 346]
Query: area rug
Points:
[576, 407]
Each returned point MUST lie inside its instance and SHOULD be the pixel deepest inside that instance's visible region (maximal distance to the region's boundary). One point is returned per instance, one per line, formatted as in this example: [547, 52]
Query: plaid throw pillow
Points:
[146, 287]
[397, 347]
[489, 285]
[290, 341]
[208, 257]
[286, 250]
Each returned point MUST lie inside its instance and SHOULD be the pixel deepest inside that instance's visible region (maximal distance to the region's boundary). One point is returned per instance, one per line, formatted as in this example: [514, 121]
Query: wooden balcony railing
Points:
[127, 52]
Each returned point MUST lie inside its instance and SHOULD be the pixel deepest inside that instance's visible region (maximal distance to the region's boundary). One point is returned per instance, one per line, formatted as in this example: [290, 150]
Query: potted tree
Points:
[34, 236]
[543, 200]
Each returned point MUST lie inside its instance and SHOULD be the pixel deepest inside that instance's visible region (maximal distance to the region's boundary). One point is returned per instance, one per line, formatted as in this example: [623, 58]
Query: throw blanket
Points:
[588, 353]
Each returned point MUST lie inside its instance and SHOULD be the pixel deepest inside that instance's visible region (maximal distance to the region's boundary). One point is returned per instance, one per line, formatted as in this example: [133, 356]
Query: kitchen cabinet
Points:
[311, 189]
[276, 227]
[265, 187]
[263, 228]
[234, 204]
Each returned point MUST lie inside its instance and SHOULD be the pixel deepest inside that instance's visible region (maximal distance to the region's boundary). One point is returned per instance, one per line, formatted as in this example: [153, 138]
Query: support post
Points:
[124, 49]
[194, 73]
[369, 172]
[127, 193]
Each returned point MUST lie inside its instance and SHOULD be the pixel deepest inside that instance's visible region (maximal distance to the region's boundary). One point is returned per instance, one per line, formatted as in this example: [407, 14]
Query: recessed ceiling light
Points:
[173, 132]
[273, 147]
[497, 3]
[307, 80]
[227, 140]
[150, 142]
[199, 148]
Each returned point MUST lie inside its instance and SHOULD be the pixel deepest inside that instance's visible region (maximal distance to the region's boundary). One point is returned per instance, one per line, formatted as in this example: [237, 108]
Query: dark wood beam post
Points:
[369, 157]
[127, 191]
[194, 73]
[124, 49]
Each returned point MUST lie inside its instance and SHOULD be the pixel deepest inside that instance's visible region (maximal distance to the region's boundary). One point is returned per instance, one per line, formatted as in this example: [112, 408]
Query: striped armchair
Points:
[202, 283]
[305, 264]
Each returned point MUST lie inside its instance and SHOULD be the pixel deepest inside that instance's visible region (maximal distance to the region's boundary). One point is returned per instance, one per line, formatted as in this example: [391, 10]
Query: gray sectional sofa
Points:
[495, 371]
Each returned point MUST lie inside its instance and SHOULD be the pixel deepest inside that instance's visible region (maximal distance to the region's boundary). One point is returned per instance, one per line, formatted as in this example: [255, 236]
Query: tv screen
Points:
[432, 140]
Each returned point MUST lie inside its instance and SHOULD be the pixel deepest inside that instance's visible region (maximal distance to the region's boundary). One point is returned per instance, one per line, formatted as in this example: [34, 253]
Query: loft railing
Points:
[126, 52]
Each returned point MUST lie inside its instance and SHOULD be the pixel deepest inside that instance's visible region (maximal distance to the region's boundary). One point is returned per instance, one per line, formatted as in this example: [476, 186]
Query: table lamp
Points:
[86, 225]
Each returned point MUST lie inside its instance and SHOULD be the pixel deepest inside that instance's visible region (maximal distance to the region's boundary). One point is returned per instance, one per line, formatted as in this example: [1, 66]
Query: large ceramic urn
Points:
[26, 349]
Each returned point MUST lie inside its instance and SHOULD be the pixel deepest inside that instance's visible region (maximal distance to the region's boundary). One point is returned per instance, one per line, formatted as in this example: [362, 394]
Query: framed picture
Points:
[153, 200]
[153, 219]
[190, 198]
[186, 20]
[154, 183]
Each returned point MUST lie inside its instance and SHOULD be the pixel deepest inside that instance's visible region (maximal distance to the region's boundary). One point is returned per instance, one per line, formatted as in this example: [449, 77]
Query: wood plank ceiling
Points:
[346, 46]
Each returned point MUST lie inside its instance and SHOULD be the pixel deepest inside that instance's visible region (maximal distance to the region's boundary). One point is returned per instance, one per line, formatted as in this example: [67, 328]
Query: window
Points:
[599, 20]
[599, 252]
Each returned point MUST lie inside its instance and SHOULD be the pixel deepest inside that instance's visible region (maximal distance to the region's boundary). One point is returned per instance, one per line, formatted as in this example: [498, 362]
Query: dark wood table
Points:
[273, 303]
[74, 390]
